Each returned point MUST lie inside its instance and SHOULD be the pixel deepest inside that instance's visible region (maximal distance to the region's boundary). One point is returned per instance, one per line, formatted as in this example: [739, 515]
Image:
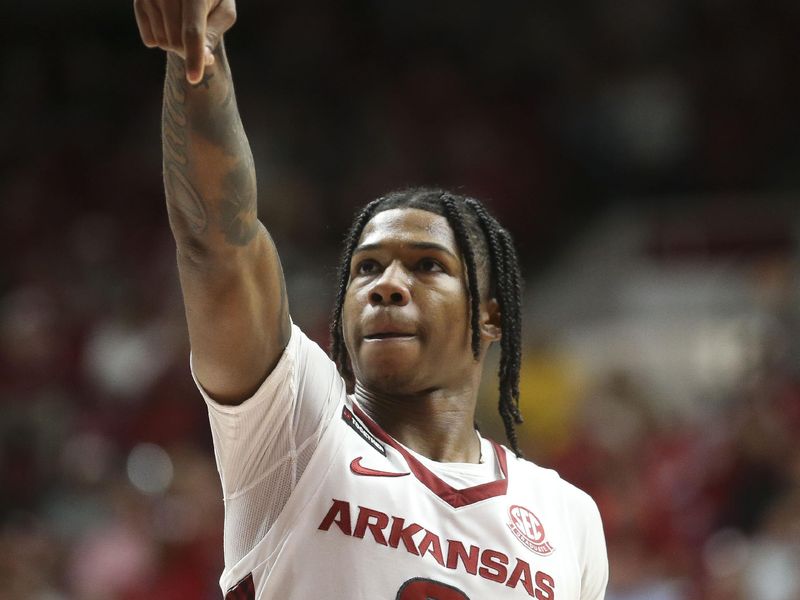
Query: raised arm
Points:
[233, 286]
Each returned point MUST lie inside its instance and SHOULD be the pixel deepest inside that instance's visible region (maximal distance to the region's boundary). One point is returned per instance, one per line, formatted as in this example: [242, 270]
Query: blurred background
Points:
[644, 153]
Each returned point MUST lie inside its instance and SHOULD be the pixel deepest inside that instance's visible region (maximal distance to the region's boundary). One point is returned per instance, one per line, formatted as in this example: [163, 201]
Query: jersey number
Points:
[428, 589]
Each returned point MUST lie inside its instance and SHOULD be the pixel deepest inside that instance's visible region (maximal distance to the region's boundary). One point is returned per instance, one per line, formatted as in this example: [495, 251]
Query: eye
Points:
[366, 267]
[429, 265]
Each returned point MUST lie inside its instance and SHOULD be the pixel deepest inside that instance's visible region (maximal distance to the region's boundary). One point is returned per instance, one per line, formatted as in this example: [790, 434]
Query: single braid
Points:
[456, 219]
[338, 351]
[508, 294]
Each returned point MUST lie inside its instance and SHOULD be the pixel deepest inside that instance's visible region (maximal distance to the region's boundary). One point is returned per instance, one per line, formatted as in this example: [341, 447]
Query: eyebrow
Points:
[415, 245]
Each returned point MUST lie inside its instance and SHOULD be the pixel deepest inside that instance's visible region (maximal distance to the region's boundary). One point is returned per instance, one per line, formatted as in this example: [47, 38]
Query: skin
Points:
[231, 277]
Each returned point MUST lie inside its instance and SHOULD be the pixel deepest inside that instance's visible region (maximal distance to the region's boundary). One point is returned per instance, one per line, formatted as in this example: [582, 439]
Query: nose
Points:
[391, 288]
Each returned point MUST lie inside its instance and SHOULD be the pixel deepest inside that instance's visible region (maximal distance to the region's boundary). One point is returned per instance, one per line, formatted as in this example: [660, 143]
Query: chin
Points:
[389, 378]
[391, 386]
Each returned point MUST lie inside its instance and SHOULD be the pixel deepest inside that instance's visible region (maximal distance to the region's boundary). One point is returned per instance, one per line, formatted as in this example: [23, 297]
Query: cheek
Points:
[449, 313]
[350, 310]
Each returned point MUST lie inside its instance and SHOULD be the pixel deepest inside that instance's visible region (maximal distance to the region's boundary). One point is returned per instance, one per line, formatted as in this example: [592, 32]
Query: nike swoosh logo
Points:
[356, 468]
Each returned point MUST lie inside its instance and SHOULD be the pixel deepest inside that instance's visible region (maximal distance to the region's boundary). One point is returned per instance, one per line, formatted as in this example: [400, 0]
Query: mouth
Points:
[388, 335]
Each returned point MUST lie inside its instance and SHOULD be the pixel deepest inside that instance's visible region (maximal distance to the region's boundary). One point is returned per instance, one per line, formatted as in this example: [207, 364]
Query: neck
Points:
[437, 424]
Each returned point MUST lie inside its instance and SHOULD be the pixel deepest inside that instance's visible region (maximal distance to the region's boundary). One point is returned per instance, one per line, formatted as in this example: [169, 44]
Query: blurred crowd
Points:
[707, 510]
[553, 113]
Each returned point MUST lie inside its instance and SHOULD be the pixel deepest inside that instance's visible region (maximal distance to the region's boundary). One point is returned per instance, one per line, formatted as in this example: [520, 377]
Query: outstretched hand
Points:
[191, 28]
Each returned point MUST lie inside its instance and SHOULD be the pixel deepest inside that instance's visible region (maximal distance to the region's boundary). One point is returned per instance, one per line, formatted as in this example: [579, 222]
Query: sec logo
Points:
[529, 530]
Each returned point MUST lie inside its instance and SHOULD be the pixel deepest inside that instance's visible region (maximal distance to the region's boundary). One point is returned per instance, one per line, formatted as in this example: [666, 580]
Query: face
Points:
[406, 310]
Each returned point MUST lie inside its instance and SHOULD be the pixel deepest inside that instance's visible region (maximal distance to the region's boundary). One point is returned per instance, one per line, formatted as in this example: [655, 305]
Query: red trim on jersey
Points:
[455, 498]
[244, 590]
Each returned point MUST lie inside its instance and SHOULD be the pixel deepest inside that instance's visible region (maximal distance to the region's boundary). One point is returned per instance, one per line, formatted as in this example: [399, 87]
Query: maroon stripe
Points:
[244, 590]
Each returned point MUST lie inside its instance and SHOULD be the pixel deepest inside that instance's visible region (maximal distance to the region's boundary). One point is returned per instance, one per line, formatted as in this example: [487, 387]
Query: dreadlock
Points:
[481, 240]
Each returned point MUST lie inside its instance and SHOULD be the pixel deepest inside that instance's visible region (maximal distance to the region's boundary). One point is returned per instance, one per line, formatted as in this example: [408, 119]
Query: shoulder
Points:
[549, 483]
[302, 366]
[303, 356]
[573, 508]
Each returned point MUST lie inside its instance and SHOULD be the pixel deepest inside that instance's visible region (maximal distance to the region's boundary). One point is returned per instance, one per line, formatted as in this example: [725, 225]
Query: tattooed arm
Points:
[230, 274]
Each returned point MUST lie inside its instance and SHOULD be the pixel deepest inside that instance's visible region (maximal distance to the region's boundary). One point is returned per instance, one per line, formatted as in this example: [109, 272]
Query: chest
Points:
[376, 517]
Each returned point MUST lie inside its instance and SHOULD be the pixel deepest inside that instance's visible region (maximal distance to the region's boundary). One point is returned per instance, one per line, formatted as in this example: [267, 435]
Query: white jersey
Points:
[322, 503]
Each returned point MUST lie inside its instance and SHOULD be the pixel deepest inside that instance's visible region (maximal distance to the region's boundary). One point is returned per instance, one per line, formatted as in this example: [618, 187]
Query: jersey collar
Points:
[454, 497]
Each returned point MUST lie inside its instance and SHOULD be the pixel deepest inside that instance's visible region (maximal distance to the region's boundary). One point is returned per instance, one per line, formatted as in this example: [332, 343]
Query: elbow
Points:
[190, 230]
[193, 250]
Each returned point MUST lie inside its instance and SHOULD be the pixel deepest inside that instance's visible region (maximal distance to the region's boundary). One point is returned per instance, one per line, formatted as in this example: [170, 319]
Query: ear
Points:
[490, 320]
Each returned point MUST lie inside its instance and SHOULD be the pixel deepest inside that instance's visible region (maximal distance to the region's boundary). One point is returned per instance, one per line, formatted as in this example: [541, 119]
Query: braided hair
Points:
[486, 248]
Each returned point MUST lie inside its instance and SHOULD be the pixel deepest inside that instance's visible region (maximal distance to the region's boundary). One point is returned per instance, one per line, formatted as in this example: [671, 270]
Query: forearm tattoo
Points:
[200, 124]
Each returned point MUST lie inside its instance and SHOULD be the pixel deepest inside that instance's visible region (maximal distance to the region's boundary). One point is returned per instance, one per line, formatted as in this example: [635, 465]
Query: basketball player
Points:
[361, 476]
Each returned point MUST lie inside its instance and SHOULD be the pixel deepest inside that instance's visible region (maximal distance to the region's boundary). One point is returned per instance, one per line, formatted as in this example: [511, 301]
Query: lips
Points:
[388, 329]
[386, 335]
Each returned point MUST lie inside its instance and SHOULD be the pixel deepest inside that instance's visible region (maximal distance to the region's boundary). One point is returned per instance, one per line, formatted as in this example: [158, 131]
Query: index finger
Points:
[194, 37]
